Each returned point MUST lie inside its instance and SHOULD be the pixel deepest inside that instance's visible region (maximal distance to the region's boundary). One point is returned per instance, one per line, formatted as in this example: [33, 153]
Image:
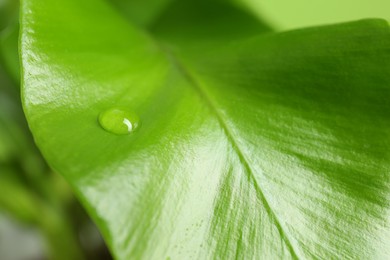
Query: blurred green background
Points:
[284, 15]
[39, 216]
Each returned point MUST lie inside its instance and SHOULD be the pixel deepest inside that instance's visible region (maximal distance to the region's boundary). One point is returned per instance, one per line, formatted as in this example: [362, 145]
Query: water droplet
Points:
[119, 121]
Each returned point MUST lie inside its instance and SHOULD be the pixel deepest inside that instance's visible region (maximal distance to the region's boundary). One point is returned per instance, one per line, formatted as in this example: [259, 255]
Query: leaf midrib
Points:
[213, 108]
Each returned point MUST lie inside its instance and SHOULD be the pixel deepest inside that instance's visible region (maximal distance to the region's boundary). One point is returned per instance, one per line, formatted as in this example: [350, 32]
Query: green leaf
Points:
[193, 21]
[141, 12]
[272, 147]
[192, 15]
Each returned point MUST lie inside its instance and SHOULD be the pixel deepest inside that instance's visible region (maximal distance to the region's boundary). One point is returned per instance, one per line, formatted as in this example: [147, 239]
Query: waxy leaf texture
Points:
[251, 145]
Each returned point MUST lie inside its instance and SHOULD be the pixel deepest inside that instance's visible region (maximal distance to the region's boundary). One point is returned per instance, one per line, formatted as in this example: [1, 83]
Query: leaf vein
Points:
[209, 102]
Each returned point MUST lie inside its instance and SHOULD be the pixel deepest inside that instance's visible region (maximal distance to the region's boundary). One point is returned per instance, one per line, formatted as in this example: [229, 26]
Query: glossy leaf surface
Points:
[272, 147]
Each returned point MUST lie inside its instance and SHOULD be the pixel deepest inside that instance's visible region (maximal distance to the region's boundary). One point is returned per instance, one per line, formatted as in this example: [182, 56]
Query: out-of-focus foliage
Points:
[302, 13]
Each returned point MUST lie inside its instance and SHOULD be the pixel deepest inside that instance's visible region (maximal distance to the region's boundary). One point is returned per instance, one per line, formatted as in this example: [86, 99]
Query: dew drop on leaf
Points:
[119, 121]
